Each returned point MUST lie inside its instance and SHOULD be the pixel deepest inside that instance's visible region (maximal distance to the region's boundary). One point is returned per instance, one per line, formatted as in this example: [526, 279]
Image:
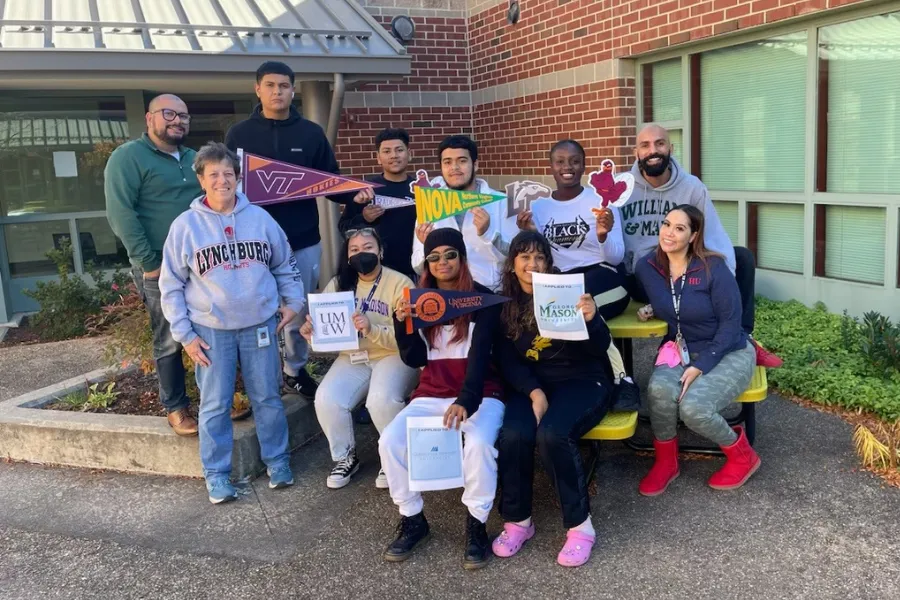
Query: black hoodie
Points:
[297, 141]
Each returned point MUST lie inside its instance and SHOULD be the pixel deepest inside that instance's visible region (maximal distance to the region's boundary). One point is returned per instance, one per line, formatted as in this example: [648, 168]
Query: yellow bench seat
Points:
[622, 425]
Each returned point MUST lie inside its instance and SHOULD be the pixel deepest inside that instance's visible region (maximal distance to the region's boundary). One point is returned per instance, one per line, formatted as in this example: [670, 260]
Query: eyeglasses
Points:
[448, 256]
[169, 115]
[361, 231]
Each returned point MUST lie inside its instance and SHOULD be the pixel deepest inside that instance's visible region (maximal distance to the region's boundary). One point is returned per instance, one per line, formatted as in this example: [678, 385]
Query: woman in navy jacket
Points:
[706, 360]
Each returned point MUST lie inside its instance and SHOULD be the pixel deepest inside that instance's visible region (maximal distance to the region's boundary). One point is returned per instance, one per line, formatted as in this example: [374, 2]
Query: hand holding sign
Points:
[613, 189]
[332, 327]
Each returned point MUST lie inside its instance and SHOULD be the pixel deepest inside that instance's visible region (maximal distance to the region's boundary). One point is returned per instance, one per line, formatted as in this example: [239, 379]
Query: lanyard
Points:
[676, 302]
[364, 306]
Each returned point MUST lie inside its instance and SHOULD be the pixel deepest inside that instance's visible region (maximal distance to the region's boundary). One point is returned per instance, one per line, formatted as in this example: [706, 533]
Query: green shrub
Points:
[68, 302]
[823, 358]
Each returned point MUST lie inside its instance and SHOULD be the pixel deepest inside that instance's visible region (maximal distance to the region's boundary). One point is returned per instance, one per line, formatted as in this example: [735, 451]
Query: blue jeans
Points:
[296, 350]
[166, 351]
[260, 369]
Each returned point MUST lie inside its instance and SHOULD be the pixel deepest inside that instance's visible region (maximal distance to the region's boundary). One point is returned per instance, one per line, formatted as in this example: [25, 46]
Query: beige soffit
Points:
[221, 36]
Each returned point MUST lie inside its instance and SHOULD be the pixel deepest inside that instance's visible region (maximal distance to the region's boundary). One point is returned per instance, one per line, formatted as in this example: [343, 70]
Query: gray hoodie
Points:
[643, 214]
[226, 271]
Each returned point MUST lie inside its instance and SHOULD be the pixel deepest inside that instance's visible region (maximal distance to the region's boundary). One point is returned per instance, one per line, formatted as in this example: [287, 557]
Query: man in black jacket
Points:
[395, 226]
[276, 130]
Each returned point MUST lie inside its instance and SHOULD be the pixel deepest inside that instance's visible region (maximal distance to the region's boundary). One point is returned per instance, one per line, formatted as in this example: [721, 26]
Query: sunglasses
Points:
[448, 256]
[169, 115]
[370, 231]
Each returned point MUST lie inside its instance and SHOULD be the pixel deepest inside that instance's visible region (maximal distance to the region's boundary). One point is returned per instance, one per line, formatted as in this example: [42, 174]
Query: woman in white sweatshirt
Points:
[227, 271]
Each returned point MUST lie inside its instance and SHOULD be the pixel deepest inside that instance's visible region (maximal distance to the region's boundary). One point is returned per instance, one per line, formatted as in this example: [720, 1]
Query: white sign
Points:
[555, 297]
[332, 318]
[435, 455]
[64, 164]
[389, 202]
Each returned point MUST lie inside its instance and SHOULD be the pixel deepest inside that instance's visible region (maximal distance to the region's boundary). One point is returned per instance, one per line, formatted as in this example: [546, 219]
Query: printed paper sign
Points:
[267, 181]
[434, 455]
[332, 317]
[555, 297]
[613, 189]
[389, 202]
[520, 195]
[434, 307]
[434, 204]
[64, 164]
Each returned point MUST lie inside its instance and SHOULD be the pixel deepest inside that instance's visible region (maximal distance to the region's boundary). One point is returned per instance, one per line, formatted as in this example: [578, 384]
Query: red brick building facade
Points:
[763, 99]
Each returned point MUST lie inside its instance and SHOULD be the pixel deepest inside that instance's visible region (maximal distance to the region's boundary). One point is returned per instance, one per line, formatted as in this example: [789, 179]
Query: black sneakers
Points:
[478, 547]
[411, 531]
[343, 470]
[302, 384]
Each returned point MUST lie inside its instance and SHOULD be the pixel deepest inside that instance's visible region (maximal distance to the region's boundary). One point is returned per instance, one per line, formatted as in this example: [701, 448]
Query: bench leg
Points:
[748, 411]
[625, 348]
[593, 460]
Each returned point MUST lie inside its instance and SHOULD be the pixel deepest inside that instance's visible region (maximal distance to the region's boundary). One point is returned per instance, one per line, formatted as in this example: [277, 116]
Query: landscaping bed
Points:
[22, 335]
[137, 393]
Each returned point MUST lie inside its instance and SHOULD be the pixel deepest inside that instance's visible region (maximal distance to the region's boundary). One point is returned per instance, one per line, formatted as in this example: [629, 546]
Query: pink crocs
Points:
[511, 540]
[577, 549]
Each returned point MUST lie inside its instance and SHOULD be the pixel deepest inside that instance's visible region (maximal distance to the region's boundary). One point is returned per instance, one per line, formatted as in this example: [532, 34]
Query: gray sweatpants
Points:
[707, 395]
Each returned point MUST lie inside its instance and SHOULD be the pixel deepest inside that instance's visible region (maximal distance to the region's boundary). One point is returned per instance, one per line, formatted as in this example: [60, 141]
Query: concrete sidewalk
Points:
[29, 367]
[806, 526]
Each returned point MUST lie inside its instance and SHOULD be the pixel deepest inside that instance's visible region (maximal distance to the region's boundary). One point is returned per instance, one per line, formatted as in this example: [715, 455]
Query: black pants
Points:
[575, 408]
[745, 274]
[607, 286]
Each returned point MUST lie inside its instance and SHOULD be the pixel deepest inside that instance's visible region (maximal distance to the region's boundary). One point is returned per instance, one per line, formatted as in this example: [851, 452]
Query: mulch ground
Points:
[139, 393]
[22, 335]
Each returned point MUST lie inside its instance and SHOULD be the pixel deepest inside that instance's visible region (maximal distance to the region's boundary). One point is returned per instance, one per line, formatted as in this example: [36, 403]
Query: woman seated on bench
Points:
[458, 382]
[560, 390]
[375, 373]
[583, 239]
[706, 360]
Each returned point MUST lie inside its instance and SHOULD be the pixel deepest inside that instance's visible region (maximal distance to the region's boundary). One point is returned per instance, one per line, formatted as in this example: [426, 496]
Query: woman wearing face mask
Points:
[706, 360]
[583, 239]
[374, 373]
[560, 390]
[459, 383]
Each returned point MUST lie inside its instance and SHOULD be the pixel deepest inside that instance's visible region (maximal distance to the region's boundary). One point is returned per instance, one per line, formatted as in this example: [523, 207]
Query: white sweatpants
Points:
[479, 455]
[384, 384]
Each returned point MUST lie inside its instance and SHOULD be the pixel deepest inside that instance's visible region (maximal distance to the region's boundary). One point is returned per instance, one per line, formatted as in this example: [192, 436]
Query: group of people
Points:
[222, 278]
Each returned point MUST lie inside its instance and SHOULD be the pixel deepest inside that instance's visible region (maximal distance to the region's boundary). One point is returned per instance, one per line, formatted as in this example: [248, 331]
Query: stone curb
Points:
[138, 444]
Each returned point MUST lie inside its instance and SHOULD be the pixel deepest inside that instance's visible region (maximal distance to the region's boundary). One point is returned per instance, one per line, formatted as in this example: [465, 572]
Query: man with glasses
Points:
[276, 130]
[148, 183]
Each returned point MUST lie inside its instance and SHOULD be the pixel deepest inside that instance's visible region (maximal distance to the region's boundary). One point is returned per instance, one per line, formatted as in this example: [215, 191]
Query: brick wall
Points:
[432, 103]
[562, 71]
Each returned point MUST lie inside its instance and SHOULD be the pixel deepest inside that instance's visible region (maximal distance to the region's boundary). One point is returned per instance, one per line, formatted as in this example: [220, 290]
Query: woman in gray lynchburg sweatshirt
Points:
[227, 270]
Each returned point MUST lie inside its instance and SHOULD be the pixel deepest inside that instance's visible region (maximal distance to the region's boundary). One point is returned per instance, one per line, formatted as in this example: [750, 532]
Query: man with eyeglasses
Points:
[276, 130]
[148, 183]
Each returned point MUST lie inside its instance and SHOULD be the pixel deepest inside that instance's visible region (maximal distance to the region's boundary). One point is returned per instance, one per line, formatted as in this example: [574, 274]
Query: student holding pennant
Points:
[374, 373]
[480, 226]
[457, 382]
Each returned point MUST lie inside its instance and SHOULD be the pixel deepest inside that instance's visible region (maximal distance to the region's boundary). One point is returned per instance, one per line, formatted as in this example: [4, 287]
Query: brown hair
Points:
[518, 313]
[697, 223]
[464, 283]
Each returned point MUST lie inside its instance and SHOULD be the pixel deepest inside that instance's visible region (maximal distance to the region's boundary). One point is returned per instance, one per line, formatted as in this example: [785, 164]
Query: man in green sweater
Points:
[148, 183]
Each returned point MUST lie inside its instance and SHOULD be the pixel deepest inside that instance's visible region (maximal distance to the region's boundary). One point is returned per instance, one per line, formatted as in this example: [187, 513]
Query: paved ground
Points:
[29, 367]
[806, 526]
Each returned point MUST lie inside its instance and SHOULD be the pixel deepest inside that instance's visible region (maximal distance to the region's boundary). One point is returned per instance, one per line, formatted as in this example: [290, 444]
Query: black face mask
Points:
[364, 262]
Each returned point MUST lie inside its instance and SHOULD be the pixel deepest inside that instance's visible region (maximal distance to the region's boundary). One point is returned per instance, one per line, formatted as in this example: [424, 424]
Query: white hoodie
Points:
[485, 253]
[226, 271]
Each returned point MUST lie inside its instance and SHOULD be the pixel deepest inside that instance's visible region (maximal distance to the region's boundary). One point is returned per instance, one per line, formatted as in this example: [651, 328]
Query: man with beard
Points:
[394, 225]
[481, 226]
[661, 185]
[148, 183]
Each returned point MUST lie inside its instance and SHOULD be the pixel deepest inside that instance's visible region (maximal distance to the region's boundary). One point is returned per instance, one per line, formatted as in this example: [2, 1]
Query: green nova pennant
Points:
[434, 204]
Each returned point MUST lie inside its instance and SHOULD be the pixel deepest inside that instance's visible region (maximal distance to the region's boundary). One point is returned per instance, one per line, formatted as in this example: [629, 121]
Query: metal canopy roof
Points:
[314, 36]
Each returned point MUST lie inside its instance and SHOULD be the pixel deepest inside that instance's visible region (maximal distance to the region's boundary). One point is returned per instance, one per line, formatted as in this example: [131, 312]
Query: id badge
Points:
[683, 351]
[262, 337]
[358, 358]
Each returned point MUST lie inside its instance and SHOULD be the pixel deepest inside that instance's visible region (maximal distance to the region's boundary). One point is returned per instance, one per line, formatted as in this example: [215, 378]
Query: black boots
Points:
[411, 531]
[478, 546]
